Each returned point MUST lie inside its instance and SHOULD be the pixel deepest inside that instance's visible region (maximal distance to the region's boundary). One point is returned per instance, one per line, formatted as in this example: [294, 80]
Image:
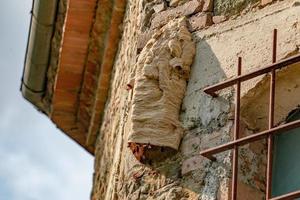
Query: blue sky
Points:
[37, 161]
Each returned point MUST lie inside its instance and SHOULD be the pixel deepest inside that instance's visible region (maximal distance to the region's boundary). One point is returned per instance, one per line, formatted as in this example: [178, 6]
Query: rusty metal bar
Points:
[271, 121]
[274, 54]
[236, 133]
[251, 138]
[289, 196]
[211, 90]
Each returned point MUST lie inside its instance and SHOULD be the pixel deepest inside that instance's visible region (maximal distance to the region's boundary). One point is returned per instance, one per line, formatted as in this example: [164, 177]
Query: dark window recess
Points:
[286, 162]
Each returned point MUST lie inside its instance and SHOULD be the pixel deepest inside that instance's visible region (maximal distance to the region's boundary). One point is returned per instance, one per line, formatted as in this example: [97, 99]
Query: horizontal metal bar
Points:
[211, 90]
[289, 196]
[248, 139]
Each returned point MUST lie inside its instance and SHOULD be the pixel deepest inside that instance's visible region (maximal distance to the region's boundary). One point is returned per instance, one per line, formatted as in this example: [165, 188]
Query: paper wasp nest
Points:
[159, 84]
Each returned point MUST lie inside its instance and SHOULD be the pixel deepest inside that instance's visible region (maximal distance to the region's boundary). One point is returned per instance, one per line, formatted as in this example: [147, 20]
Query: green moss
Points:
[231, 7]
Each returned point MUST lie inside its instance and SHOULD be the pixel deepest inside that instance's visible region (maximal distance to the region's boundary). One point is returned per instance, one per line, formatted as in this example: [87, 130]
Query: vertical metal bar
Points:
[236, 134]
[274, 55]
[271, 121]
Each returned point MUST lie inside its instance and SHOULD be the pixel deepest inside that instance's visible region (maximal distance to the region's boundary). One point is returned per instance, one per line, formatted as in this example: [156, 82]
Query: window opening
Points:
[267, 134]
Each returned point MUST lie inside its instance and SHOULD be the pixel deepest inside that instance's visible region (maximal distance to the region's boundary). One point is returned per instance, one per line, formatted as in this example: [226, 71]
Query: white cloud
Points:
[27, 179]
[30, 179]
[37, 161]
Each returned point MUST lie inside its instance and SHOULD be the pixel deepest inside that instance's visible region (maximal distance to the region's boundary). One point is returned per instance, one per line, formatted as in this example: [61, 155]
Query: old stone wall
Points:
[239, 29]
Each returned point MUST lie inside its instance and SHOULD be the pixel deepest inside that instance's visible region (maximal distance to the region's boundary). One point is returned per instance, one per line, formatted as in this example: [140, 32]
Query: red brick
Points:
[84, 117]
[81, 23]
[265, 2]
[80, 15]
[70, 32]
[63, 119]
[73, 41]
[71, 60]
[65, 97]
[68, 80]
[76, 68]
[90, 81]
[91, 67]
[66, 107]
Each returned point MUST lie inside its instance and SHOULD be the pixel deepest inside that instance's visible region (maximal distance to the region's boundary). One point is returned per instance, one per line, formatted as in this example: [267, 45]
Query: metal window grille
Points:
[267, 134]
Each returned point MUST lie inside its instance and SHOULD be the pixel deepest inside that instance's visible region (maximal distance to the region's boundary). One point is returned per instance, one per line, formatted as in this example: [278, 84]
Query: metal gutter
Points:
[43, 17]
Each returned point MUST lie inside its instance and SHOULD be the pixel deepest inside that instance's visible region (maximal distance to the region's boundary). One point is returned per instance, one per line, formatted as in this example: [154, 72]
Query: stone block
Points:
[186, 9]
[212, 140]
[190, 145]
[159, 7]
[174, 3]
[265, 2]
[192, 164]
[143, 39]
[208, 6]
[296, 3]
[219, 19]
[200, 21]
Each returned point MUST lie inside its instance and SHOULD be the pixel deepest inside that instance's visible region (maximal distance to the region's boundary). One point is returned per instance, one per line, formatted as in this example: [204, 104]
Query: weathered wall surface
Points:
[111, 146]
[207, 121]
[218, 49]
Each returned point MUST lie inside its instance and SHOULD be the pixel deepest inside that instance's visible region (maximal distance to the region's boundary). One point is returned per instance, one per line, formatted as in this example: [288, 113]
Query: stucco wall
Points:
[207, 121]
